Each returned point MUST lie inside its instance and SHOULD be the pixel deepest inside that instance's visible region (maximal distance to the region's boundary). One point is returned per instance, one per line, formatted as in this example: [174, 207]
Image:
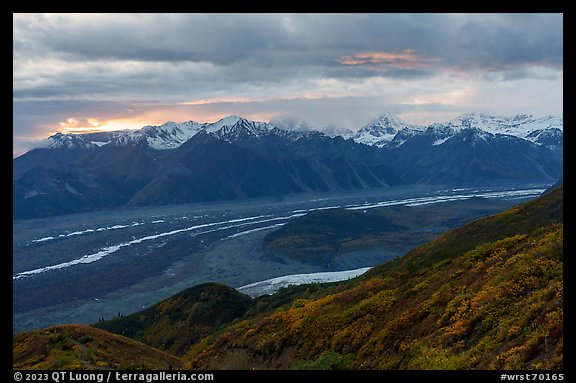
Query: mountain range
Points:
[235, 158]
[390, 131]
[487, 295]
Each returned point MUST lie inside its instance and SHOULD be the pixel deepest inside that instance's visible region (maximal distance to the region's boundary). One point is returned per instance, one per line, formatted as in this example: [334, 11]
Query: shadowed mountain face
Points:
[207, 167]
[473, 156]
[237, 159]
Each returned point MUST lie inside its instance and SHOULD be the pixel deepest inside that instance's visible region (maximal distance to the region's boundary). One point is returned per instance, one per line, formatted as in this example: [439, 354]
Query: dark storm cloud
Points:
[507, 40]
[330, 68]
[313, 41]
[219, 38]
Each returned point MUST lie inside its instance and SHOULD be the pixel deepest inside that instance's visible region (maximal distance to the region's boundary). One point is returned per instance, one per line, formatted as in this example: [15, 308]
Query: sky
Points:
[76, 73]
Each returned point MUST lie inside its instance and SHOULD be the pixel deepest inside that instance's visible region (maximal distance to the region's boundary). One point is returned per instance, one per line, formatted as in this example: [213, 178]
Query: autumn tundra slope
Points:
[488, 295]
[83, 347]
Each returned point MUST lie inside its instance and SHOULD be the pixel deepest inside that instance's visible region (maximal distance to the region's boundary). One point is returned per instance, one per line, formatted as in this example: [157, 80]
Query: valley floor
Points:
[78, 269]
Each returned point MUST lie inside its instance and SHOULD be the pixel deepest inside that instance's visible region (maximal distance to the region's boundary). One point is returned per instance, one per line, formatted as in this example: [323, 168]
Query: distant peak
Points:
[390, 122]
[230, 120]
[390, 117]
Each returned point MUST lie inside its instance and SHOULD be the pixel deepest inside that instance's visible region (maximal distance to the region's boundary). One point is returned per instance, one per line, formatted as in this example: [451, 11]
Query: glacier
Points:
[270, 286]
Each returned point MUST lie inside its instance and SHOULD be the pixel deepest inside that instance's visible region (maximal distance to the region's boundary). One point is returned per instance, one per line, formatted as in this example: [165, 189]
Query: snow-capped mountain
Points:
[236, 158]
[386, 131]
[76, 141]
[169, 135]
[234, 128]
[382, 131]
[230, 159]
[540, 130]
[390, 131]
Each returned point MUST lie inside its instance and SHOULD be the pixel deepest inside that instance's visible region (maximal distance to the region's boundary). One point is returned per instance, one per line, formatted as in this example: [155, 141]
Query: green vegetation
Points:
[488, 295]
[327, 361]
[320, 236]
[84, 347]
[176, 323]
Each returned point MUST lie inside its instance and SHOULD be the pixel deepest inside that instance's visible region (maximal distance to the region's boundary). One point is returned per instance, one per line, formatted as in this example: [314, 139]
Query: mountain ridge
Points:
[235, 158]
[487, 295]
[379, 132]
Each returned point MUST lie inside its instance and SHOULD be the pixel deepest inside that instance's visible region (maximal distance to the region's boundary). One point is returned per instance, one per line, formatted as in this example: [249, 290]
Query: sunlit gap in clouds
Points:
[452, 97]
[406, 59]
[87, 125]
[76, 125]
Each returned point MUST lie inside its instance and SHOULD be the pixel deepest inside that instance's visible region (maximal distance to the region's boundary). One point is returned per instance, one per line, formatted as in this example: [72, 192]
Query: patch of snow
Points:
[519, 126]
[256, 230]
[99, 143]
[440, 141]
[32, 193]
[42, 239]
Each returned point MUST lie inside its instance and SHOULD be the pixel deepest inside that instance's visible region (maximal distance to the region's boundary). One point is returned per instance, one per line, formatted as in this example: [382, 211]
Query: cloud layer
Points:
[329, 69]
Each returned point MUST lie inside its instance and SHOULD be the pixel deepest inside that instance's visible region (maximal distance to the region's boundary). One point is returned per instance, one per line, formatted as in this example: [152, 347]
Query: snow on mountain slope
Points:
[169, 135]
[383, 130]
[386, 131]
[233, 128]
[70, 141]
[522, 125]
[226, 121]
[391, 131]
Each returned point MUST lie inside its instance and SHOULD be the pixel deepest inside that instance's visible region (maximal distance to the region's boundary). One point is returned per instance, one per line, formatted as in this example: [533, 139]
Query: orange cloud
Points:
[90, 124]
[406, 59]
